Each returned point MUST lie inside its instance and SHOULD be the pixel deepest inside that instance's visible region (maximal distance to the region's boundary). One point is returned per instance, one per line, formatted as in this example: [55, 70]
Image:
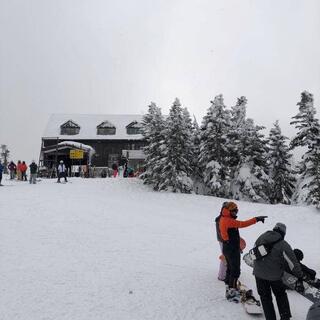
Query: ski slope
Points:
[114, 249]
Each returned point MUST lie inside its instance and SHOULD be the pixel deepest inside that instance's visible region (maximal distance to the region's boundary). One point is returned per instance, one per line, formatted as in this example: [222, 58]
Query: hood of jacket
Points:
[269, 237]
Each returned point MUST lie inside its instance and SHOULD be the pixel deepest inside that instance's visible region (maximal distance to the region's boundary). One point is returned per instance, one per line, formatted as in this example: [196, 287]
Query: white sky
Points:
[100, 56]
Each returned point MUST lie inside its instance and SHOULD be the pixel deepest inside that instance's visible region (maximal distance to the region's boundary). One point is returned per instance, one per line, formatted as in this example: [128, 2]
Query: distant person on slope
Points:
[228, 227]
[269, 270]
[62, 172]
[23, 169]
[33, 172]
[1, 171]
[12, 169]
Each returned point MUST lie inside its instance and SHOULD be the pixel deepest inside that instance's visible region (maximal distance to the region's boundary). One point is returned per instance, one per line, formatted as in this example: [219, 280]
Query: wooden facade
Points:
[110, 137]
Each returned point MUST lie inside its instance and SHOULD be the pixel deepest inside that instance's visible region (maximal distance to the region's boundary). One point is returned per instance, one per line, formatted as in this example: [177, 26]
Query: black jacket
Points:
[272, 266]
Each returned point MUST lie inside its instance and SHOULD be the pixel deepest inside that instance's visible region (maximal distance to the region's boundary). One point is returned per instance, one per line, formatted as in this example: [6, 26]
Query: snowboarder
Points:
[269, 269]
[62, 172]
[33, 172]
[228, 228]
[1, 171]
[12, 169]
[309, 275]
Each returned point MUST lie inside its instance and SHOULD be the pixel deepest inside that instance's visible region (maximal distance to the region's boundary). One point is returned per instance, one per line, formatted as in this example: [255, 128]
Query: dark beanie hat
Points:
[280, 227]
[299, 254]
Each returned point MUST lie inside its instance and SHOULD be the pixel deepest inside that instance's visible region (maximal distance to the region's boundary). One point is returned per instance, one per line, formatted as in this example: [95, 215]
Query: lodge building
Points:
[103, 139]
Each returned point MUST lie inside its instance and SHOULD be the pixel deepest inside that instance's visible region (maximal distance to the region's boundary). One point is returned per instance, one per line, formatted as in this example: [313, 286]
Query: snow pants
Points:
[62, 175]
[264, 288]
[12, 174]
[0, 177]
[33, 178]
[232, 256]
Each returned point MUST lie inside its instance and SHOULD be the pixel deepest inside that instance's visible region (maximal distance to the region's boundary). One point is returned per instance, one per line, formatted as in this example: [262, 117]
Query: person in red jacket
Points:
[23, 169]
[228, 227]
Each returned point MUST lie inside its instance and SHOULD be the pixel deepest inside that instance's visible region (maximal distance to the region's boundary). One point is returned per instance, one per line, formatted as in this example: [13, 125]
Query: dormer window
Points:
[69, 128]
[106, 128]
[134, 128]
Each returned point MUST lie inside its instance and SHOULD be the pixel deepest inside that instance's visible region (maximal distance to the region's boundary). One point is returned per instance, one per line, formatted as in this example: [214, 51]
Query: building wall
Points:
[107, 151]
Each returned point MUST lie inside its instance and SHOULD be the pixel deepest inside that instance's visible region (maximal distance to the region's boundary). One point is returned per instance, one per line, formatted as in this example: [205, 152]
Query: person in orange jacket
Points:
[228, 227]
[19, 174]
[23, 169]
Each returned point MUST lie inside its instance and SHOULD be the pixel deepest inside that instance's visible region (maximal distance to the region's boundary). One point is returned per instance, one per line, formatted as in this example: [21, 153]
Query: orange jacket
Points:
[227, 222]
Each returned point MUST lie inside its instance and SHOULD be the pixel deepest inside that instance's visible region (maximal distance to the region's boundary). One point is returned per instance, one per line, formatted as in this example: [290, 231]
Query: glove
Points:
[299, 287]
[261, 218]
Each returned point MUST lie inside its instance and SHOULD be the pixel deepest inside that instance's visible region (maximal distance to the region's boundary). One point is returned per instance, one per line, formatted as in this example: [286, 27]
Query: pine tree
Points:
[196, 139]
[307, 136]
[213, 148]
[282, 179]
[236, 134]
[251, 180]
[153, 132]
[178, 154]
[5, 153]
[313, 171]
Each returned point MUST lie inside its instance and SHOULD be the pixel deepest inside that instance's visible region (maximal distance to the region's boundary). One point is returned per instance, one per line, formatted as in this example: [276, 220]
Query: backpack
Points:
[261, 251]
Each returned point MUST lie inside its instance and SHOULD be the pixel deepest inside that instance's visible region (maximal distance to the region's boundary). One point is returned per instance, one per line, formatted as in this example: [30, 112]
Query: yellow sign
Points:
[76, 154]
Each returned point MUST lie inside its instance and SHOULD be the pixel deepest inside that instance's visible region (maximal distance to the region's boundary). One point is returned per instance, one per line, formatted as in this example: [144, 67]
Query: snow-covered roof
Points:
[88, 124]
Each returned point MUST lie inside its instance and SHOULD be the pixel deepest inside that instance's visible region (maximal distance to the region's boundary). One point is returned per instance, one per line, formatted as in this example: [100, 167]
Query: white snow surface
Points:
[114, 249]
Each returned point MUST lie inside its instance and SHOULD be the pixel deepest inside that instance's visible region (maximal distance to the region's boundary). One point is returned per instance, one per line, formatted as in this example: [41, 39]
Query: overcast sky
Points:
[100, 56]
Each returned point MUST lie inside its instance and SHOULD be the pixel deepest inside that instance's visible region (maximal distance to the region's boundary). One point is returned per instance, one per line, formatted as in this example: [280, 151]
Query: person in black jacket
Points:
[33, 172]
[269, 270]
[309, 275]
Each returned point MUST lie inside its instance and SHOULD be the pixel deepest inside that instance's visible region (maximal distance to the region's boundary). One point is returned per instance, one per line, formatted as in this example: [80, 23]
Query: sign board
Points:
[76, 154]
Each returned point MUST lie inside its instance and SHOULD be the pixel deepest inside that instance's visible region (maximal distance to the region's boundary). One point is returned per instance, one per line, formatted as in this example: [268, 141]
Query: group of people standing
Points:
[267, 271]
[19, 171]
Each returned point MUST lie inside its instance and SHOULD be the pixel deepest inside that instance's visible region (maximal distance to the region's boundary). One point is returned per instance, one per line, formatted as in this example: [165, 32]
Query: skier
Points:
[23, 169]
[228, 228]
[268, 272]
[1, 171]
[62, 172]
[33, 172]
[12, 169]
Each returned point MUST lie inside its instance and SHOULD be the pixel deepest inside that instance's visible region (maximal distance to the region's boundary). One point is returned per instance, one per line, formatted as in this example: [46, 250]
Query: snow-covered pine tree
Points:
[213, 148]
[178, 155]
[196, 138]
[307, 136]
[236, 133]
[153, 131]
[280, 172]
[251, 180]
[313, 172]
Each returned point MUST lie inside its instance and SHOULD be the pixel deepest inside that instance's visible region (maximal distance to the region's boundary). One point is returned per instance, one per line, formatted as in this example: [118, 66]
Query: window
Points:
[69, 128]
[134, 128]
[106, 128]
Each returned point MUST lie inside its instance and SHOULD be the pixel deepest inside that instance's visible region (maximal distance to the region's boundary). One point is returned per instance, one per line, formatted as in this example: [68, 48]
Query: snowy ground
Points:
[114, 249]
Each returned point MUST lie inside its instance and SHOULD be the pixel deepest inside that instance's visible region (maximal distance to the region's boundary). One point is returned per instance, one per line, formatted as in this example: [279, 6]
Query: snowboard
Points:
[250, 304]
[310, 292]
